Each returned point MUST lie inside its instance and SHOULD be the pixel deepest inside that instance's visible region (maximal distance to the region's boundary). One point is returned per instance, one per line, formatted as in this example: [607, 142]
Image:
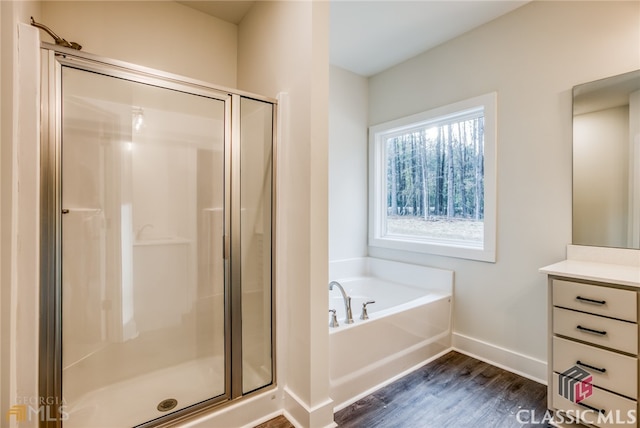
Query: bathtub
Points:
[409, 324]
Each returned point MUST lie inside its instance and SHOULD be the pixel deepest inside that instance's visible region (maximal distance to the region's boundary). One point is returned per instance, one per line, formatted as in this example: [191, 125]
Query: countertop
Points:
[628, 275]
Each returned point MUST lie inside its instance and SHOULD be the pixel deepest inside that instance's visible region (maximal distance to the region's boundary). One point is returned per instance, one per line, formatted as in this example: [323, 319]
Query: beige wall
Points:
[159, 34]
[348, 155]
[18, 278]
[601, 177]
[532, 57]
[283, 47]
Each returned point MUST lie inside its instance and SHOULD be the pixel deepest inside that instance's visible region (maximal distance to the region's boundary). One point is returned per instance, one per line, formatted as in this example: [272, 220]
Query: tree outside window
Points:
[429, 187]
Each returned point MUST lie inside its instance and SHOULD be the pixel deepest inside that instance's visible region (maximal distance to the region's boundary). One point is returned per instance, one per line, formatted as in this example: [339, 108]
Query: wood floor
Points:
[454, 391]
[279, 422]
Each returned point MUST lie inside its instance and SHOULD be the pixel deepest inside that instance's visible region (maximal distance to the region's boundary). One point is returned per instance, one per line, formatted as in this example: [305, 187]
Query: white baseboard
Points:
[301, 415]
[520, 364]
[297, 424]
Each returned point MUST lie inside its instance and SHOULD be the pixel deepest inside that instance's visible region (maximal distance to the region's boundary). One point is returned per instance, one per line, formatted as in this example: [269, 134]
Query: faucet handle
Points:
[364, 315]
[334, 319]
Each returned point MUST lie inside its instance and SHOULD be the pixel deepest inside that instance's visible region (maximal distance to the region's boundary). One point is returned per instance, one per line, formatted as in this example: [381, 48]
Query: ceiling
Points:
[230, 11]
[369, 36]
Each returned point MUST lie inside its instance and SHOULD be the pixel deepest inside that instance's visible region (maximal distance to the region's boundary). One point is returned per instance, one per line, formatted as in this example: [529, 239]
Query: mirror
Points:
[606, 162]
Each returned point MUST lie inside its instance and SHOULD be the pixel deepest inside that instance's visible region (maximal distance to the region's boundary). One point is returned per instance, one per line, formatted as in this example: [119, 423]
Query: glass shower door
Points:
[143, 269]
[256, 187]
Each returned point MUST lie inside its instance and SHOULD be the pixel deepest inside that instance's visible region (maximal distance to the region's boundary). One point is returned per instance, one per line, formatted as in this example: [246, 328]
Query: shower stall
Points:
[157, 237]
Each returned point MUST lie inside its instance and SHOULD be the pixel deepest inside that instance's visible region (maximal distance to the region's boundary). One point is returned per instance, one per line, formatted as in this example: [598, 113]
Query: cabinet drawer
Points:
[618, 411]
[610, 370]
[614, 334]
[595, 299]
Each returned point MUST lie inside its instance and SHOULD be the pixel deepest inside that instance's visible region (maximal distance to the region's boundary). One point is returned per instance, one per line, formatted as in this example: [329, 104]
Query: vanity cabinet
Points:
[593, 338]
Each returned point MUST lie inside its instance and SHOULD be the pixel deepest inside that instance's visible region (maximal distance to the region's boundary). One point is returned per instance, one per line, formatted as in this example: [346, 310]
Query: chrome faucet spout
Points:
[347, 301]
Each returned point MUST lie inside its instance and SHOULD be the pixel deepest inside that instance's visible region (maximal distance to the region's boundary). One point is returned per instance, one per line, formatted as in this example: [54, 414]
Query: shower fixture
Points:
[59, 40]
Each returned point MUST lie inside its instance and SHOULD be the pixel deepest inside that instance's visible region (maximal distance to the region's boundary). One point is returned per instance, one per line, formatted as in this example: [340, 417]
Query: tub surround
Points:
[408, 326]
[593, 304]
[405, 273]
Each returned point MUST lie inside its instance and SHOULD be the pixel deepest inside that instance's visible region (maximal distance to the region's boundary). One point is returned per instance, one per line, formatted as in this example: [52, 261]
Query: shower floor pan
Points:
[135, 401]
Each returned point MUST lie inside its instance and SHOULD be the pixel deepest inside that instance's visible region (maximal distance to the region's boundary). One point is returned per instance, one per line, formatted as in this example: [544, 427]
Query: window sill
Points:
[438, 248]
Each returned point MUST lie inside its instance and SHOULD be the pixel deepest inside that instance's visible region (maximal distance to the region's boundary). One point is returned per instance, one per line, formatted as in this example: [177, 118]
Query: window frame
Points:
[378, 135]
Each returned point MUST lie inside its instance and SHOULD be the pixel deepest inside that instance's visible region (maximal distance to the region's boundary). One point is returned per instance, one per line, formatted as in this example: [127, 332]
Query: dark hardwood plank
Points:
[454, 391]
[279, 422]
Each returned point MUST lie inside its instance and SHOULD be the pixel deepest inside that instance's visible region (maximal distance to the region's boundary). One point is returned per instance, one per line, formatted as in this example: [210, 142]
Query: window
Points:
[432, 183]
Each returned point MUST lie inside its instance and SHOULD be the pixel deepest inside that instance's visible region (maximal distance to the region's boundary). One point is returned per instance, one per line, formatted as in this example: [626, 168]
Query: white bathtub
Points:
[409, 324]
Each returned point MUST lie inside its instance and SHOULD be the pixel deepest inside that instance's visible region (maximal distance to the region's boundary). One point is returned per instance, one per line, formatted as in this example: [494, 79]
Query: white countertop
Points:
[596, 271]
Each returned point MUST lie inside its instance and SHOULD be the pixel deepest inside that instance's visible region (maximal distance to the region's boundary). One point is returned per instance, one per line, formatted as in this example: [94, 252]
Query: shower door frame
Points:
[50, 382]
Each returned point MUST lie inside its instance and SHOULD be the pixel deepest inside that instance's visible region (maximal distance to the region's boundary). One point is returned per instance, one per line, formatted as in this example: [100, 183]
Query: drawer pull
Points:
[580, 363]
[595, 409]
[590, 330]
[587, 300]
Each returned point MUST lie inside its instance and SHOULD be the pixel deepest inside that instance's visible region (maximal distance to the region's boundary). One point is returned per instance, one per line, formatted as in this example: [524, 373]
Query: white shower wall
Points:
[156, 177]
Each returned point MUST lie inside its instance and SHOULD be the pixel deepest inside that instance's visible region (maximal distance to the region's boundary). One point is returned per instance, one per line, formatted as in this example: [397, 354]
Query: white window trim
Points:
[377, 184]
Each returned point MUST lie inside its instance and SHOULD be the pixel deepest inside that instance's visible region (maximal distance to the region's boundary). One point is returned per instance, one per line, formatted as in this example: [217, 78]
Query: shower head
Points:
[59, 40]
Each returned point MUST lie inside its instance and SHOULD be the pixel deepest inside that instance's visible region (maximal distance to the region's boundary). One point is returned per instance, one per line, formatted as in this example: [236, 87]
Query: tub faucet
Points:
[347, 301]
